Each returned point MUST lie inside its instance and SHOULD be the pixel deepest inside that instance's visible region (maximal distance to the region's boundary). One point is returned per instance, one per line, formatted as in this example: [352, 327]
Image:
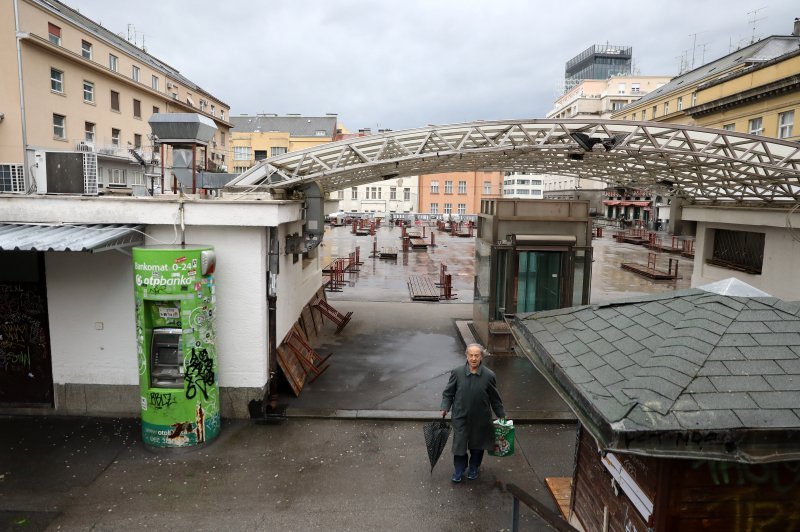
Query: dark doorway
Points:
[26, 373]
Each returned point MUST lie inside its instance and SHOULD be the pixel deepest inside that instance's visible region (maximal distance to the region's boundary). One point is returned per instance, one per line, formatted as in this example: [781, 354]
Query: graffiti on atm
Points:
[160, 400]
[199, 373]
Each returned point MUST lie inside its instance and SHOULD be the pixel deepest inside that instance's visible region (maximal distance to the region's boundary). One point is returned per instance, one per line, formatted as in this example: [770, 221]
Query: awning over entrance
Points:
[87, 238]
[635, 203]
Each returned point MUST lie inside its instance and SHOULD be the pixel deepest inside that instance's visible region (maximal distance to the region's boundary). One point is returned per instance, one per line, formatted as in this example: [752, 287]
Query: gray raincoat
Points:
[473, 398]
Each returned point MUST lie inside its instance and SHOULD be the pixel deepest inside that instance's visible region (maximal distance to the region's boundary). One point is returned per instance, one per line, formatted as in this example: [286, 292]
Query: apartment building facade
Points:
[258, 137]
[457, 193]
[74, 86]
[752, 90]
[381, 199]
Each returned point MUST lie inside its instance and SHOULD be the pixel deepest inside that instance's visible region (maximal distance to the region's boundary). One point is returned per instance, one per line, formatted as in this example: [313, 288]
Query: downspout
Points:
[271, 409]
[21, 89]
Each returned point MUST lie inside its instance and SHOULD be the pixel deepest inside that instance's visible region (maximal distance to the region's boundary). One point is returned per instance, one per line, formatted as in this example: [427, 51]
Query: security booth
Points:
[530, 255]
[178, 378]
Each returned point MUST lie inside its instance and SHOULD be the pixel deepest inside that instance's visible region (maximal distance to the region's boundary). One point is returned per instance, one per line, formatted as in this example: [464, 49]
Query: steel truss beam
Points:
[700, 164]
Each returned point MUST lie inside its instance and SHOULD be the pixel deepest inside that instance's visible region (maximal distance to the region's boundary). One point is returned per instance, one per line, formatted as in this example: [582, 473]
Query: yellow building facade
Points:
[754, 90]
[69, 84]
[257, 137]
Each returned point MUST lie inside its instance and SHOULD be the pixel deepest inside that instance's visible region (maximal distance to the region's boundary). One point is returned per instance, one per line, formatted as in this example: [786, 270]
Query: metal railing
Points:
[546, 514]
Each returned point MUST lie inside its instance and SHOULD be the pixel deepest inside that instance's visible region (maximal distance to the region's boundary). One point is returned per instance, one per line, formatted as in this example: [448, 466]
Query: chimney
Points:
[796, 31]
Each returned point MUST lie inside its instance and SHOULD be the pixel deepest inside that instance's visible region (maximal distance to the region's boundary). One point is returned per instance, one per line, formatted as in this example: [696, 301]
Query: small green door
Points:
[539, 281]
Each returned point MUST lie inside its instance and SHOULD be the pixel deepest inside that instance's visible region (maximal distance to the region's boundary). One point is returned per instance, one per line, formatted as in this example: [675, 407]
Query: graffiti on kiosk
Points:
[199, 373]
[160, 400]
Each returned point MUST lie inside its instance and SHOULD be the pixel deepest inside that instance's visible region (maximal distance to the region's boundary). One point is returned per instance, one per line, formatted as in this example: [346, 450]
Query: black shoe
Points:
[472, 473]
[456, 478]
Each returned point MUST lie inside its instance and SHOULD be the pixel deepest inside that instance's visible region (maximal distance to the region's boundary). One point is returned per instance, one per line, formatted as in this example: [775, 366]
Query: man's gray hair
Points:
[479, 346]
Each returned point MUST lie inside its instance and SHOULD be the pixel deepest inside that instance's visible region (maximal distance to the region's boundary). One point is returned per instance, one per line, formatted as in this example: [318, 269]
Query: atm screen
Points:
[168, 355]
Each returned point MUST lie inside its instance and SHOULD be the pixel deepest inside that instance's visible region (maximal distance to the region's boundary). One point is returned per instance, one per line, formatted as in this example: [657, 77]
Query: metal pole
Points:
[515, 516]
[194, 168]
[161, 150]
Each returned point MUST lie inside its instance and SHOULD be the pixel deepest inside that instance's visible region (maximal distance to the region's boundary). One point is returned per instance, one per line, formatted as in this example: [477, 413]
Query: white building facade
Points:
[382, 198]
[520, 185]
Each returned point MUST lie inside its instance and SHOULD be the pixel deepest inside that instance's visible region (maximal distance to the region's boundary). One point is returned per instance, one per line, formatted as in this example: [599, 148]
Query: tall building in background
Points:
[382, 198]
[600, 61]
[79, 96]
[257, 137]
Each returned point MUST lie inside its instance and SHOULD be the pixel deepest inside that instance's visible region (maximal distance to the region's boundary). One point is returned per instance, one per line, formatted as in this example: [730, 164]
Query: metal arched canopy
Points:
[700, 164]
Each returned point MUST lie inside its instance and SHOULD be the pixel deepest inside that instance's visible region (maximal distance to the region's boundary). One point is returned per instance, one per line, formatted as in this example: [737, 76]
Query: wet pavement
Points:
[394, 357]
[59, 473]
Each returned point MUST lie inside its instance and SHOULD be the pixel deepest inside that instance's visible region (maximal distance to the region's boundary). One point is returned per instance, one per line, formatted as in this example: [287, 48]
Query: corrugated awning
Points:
[86, 238]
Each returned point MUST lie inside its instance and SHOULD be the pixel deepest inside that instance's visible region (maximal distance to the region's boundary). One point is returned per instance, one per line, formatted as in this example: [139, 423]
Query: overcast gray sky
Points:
[409, 63]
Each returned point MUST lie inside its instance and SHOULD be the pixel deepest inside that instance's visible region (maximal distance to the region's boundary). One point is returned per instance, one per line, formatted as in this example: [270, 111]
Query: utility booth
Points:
[530, 255]
[178, 377]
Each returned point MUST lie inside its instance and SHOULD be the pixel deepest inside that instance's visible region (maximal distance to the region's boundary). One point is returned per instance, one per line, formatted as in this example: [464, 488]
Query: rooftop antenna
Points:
[694, 45]
[703, 56]
[755, 20]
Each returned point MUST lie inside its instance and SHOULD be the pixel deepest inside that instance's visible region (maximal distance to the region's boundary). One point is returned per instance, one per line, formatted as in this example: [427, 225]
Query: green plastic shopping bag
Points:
[503, 438]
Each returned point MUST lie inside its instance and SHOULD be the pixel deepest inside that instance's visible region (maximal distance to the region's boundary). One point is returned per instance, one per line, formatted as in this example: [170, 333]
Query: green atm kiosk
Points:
[175, 299]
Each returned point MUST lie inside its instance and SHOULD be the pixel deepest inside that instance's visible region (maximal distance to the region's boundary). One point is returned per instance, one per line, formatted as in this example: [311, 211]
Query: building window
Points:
[116, 177]
[729, 127]
[635, 88]
[239, 169]
[222, 138]
[114, 101]
[738, 250]
[755, 126]
[56, 80]
[113, 62]
[54, 34]
[156, 110]
[59, 126]
[448, 208]
[137, 140]
[115, 133]
[448, 187]
[633, 116]
[616, 105]
[434, 208]
[137, 177]
[135, 73]
[487, 187]
[680, 103]
[222, 114]
[666, 108]
[434, 187]
[137, 108]
[154, 83]
[86, 49]
[340, 194]
[88, 91]
[462, 208]
[406, 194]
[277, 151]
[462, 187]
[392, 193]
[241, 153]
[785, 124]
[354, 194]
[694, 99]
[644, 114]
[89, 129]
[320, 133]
[621, 88]
[11, 178]
[655, 111]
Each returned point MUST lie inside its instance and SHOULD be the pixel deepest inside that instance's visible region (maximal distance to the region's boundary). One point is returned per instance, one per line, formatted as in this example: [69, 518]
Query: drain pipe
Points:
[23, 118]
[271, 409]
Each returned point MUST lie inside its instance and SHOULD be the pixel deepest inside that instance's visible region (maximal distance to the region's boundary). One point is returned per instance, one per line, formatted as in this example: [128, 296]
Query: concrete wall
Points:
[781, 252]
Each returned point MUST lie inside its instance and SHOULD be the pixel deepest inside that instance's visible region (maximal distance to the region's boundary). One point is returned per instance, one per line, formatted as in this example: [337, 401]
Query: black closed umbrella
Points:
[436, 435]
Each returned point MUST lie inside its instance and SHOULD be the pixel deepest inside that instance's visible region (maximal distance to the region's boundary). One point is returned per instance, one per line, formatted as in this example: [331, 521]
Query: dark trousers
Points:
[460, 460]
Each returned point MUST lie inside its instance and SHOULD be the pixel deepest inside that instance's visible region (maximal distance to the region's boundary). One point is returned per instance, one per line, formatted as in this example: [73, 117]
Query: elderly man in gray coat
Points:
[472, 393]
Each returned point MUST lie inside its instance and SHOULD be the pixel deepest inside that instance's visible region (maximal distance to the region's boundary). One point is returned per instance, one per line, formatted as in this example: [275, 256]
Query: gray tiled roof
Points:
[296, 126]
[688, 361]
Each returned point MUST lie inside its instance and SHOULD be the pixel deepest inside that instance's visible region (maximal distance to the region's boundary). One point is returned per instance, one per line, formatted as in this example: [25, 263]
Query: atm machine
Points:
[178, 379]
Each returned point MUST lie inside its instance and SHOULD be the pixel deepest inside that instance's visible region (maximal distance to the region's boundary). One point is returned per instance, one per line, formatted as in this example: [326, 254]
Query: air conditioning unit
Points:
[65, 172]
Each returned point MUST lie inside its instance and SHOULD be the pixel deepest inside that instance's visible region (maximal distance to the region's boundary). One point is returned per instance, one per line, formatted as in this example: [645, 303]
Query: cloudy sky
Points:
[409, 63]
